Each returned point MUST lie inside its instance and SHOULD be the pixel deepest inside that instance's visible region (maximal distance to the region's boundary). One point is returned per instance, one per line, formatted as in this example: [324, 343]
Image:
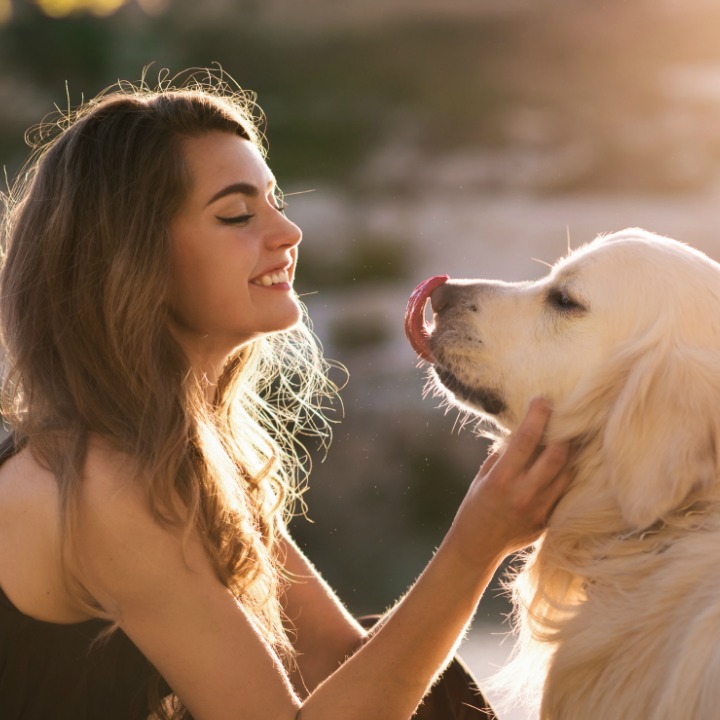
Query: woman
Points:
[158, 375]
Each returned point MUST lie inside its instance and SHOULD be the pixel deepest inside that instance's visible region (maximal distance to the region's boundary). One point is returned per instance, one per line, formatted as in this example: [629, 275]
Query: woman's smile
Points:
[277, 278]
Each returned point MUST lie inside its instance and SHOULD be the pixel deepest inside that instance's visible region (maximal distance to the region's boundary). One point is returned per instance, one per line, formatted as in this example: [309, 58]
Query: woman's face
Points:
[233, 250]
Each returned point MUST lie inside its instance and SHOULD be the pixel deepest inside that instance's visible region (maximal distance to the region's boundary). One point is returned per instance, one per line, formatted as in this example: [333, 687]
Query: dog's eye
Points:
[562, 300]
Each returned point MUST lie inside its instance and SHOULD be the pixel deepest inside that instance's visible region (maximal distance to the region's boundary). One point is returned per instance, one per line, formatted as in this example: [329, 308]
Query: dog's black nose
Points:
[462, 294]
[447, 295]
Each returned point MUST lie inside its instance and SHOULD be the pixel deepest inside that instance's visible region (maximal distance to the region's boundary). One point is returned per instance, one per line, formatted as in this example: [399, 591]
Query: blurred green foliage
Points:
[344, 92]
[360, 333]
[586, 78]
[367, 259]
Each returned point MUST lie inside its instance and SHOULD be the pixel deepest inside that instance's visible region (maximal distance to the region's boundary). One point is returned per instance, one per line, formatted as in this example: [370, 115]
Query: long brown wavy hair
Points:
[83, 317]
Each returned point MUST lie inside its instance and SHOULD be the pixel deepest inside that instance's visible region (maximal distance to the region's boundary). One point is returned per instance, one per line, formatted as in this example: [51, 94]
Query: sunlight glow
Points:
[61, 8]
[5, 11]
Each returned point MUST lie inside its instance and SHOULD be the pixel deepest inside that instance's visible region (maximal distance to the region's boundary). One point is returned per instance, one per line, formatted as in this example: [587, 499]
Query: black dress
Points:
[51, 671]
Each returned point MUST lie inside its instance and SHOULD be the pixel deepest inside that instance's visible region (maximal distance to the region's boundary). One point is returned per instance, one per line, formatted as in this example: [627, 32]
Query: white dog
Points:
[618, 606]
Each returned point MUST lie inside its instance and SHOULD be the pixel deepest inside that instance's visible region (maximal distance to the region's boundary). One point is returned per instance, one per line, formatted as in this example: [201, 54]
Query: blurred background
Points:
[468, 137]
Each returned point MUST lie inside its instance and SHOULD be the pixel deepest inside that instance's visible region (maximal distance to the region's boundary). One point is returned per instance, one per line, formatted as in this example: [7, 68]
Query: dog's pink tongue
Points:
[416, 328]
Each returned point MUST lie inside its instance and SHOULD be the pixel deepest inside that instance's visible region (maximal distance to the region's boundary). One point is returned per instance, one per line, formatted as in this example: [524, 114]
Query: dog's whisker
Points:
[542, 262]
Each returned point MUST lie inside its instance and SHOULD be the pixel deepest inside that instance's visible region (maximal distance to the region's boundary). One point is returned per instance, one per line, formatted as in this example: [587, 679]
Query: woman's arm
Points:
[170, 603]
[505, 509]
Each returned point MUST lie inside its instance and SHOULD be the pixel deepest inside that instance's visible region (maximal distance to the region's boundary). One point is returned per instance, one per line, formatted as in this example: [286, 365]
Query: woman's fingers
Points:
[490, 461]
[516, 489]
[525, 440]
[533, 477]
[549, 464]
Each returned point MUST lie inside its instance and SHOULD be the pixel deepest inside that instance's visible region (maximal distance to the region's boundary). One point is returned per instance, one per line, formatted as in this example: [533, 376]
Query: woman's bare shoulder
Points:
[123, 541]
[114, 481]
[25, 483]
[28, 503]
[30, 571]
[110, 470]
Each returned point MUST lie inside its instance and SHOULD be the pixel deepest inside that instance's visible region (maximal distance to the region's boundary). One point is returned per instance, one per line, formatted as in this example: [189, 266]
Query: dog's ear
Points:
[661, 438]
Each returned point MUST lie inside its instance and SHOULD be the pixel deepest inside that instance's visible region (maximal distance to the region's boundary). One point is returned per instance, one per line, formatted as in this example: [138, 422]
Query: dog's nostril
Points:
[447, 296]
[439, 298]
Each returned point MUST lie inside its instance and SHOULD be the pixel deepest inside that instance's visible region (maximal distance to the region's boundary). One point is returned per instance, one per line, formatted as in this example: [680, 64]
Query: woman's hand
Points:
[514, 493]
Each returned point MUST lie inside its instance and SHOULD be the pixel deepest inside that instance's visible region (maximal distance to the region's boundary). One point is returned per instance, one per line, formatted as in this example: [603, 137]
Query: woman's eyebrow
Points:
[239, 188]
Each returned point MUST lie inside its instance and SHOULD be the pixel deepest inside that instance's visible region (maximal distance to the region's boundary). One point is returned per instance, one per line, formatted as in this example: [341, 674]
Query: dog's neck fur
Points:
[585, 551]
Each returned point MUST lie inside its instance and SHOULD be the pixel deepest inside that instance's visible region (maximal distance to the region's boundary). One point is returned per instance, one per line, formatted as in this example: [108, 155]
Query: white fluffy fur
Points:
[618, 606]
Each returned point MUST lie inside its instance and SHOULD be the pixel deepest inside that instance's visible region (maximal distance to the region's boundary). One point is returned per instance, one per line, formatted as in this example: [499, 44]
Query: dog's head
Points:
[622, 336]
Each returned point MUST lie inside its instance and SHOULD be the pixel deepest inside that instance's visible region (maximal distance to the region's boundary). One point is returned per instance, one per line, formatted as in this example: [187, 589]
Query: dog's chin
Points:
[481, 400]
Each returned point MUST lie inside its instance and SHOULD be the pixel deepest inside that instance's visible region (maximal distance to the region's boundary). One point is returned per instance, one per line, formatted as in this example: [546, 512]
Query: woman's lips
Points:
[416, 329]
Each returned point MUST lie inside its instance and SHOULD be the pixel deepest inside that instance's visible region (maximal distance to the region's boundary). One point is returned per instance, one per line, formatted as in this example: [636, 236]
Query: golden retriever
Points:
[618, 606]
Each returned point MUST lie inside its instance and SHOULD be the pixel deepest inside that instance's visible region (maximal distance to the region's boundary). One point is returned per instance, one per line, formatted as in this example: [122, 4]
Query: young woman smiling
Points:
[156, 357]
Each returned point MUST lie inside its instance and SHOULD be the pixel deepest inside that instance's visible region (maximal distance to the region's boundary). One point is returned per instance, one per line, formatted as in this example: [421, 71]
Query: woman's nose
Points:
[286, 234]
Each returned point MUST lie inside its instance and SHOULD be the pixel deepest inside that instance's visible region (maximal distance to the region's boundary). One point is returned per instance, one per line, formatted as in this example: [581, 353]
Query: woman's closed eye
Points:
[243, 219]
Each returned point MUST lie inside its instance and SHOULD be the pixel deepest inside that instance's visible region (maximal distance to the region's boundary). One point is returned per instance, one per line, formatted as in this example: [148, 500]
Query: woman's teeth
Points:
[273, 279]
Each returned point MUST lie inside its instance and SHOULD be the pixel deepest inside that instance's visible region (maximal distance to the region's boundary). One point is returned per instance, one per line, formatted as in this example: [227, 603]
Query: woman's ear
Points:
[660, 442]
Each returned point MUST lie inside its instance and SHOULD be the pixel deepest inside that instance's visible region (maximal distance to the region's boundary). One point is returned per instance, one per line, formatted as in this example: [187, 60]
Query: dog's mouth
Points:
[482, 398]
[416, 328]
